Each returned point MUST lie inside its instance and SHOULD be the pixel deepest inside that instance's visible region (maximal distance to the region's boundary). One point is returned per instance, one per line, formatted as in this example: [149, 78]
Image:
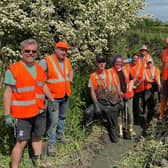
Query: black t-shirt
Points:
[123, 84]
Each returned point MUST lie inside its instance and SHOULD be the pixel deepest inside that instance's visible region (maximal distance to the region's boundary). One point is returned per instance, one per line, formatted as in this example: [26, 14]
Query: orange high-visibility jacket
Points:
[137, 74]
[99, 84]
[104, 89]
[165, 64]
[27, 95]
[125, 70]
[151, 74]
[57, 81]
[147, 56]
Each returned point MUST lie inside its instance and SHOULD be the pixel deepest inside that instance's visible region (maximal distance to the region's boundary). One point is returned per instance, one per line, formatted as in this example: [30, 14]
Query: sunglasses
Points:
[28, 51]
[101, 61]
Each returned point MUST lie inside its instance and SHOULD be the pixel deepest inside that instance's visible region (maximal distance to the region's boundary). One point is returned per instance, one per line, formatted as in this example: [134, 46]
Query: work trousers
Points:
[108, 112]
[149, 104]
[126, 116]
[138, 105]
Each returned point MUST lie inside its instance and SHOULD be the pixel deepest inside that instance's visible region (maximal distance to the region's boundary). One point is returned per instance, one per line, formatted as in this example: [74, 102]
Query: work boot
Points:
[120, 130]
[51, 150]
[131, 130]
[36, 161]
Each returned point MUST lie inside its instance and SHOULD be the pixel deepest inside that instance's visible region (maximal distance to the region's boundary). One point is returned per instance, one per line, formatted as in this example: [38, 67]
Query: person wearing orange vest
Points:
[136, 70]
[125, 83]
[59, 78]
[152, 84]
[164, 90]
[143, 56]
[24, 96]
[104, 93]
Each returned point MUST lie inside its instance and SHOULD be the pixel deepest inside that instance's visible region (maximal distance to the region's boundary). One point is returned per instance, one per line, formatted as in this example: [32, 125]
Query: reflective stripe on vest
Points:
[60, 78]
[40, 96]
[101, 82]
[24, 89]
[138, 70]
[23, 103]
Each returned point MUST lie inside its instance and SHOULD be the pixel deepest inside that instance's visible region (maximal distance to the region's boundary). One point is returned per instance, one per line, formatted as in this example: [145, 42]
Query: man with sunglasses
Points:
[104, 94]
[59, 78]
[24, 94]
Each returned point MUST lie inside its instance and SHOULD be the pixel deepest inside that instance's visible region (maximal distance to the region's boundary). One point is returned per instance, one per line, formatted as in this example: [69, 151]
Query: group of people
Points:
[27, 84]
[124, 94]
[117, 94]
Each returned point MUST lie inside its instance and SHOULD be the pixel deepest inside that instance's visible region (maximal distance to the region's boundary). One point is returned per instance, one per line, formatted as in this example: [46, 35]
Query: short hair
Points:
[28, 42]
[135, 54]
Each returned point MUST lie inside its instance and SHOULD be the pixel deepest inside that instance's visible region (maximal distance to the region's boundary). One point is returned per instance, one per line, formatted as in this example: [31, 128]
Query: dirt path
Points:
[114, 152]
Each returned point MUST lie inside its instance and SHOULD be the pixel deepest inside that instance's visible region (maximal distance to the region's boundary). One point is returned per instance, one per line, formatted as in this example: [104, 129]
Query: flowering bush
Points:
[87, 26]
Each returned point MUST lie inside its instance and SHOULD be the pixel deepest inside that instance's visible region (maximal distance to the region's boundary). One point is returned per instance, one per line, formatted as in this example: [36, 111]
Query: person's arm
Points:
[93, 95]
[47, 92]
[43, 64]
[128, 60]
[7, 99]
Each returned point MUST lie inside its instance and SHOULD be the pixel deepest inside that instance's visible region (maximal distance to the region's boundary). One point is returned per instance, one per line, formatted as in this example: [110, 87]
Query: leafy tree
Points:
[89, 26]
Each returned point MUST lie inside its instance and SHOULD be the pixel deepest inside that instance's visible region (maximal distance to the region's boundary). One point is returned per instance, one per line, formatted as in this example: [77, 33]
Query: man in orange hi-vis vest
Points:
[143, 56]
[24, 96]
[59, 77]
[106, 101]
[152, 84]
[164, 90]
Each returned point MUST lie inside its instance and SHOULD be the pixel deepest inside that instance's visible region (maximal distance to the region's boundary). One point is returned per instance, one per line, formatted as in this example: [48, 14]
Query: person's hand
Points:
[9, 121]
[97, 108]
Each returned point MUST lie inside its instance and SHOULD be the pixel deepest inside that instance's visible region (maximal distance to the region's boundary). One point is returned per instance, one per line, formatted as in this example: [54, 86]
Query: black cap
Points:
[100, 58]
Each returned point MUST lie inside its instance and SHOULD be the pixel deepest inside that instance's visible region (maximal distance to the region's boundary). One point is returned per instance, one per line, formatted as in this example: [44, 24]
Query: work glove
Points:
[97, 108]
[9, 121]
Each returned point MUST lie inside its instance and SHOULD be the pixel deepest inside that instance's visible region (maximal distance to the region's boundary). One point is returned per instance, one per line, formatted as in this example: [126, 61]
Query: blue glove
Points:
[9, 121]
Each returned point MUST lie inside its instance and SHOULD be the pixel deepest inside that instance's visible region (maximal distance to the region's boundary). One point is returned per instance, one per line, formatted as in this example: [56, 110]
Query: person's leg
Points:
[62, 116]
[112, 118]
[22, 134]
[17, 153]
[136, 107]
[163, 104]
[53, 121]
[88, 117]
[164, 98]
[129, 105]
[38, 129]
[120, 124]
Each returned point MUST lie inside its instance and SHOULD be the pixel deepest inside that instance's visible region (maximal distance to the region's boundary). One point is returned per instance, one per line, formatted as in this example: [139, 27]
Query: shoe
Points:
[51, 150]
[63, 140]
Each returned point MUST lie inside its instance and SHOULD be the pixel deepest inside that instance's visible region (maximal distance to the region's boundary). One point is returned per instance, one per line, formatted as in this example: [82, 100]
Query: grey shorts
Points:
[164, 90]
[36, 126]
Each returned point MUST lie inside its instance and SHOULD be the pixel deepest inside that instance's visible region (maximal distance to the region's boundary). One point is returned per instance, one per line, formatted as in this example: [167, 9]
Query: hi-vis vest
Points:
[129, 91]
[165, 64]
[137, 74]
[27, 95]
[104, 89]
[57, 81]
[151, 74]
[147, 56]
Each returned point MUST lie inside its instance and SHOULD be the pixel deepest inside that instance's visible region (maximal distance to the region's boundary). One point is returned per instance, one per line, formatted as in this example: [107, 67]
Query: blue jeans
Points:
[57, 119]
